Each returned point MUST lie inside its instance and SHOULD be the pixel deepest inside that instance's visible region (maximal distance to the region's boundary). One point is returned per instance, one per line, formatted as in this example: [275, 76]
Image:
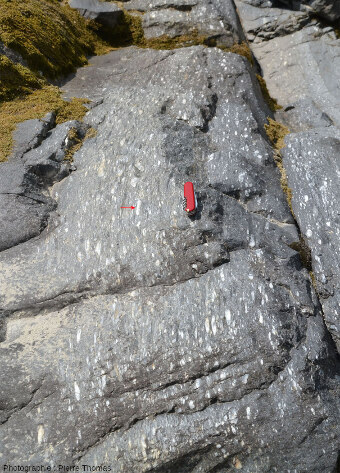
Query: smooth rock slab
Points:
[312, 162]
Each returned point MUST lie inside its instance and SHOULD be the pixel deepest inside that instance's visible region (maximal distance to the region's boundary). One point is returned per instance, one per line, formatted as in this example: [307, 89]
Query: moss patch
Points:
[305, 253]
[51, 37]
[76, 142]
[166, 42]
[271, 102]
[276, 132]
[129, 31]
[284, 182]
[35, 105]
[242, 49]
[16, 79]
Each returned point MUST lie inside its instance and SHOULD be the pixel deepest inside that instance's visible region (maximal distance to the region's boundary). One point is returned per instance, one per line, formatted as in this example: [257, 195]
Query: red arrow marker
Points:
[132, 207]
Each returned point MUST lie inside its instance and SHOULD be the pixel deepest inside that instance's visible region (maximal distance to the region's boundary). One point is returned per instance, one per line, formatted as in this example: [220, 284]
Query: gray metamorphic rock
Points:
[148, 340]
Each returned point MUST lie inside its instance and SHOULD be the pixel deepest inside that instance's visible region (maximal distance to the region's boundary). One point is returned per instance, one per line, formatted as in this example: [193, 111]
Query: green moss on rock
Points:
[276, 133]
[16, 79]
[51, 37]
[167, 42]
[242, 49]
[271, 102]
[77, 141]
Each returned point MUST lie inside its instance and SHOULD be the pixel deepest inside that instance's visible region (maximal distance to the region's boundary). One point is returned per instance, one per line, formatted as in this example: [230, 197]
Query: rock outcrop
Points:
[104, 13]
[301, 71]
[312, 162]
[39, 160]
[150, 341]
[327, 9]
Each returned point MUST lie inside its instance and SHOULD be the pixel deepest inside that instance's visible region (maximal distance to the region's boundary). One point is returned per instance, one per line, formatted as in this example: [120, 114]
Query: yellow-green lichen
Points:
[35, 105]
[271, 102]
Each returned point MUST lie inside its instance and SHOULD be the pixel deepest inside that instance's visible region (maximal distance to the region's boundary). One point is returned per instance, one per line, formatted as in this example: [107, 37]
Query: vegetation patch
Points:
[52, 38]
[35, 105]
[166, 42]
[16, 79]
[271, 102]
[242, 49]
[128, 32]
[276, 133]
[76, 141]
[305, 253]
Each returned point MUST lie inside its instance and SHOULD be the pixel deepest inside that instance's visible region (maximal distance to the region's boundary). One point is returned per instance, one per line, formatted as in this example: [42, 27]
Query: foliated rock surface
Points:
[302, 65]
[300, 69]
[326, 9]
[37, 162]
[151, 341]
[312, 162]
[263, 24]
[211, 20]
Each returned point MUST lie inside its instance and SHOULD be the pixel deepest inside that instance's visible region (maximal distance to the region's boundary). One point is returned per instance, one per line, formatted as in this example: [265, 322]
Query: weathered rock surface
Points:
[127, 380]
[25, 203]
[327, 9]
[155, 342]
[105, 13]
[215, 19]
[262, 24]
[302, 116]
[301, 71]
[312, 162]
[30, 133]
[300, 58]
[305, 64]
